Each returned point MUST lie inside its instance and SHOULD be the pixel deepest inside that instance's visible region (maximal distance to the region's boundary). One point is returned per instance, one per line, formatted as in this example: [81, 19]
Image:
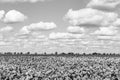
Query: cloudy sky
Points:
[60, 25]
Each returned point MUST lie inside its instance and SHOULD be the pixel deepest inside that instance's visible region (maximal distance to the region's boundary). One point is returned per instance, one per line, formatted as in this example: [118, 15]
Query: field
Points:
[59, 68]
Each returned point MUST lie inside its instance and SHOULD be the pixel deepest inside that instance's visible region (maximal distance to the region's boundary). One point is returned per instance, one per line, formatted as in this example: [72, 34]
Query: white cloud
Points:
[116, 23]
[54, 35]
[37, 36]
[89, 16]
[34, 29]
[1, 37]
[6, 29]
[2, 43]
[103, 4]
[41, 26]
[85, 42]
[111, 38]
[106, 31]
[14, 16]
[24, 31]
[59, 35]
[31, 1]
[104, 37]
[2, 13]
[76, 29]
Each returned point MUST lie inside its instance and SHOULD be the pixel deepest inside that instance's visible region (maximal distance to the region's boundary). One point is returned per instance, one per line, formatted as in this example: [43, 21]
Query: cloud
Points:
[106, 31]
[2, 43]
[41, 26]
[116, 23]
[103, 4]
[60, 35]
[27, 33]
[6, 29]
[75, 29]
[2, 13]
[89, 16]
[31, 1]
[105, 37]
[98, 14]
[115, 39]
[23, 33]
[1, 37]
[34, 29]
[24, 30]
[14, 16]
[38, 37]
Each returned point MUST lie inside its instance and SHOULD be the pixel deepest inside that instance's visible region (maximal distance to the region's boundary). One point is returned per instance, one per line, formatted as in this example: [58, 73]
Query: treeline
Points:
[56, 54]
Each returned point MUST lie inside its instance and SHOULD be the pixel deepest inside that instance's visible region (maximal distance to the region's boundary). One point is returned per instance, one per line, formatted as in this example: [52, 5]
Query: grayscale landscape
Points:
[59, 39]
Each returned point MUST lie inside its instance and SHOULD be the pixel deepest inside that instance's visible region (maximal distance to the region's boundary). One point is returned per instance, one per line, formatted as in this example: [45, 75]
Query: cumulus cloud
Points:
[103, 4]
[6, 29]
[31, 1]
[76, 29]
[34, 30]
[60, 35]
[41, 26]
[106, 31]
[2, 13]
[23, 33]
[99, 13]
[14, 16]
[24, 30]
[89, 16]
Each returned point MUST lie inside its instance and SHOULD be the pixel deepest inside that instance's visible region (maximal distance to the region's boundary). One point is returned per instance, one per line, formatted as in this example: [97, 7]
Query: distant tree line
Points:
[56, 54]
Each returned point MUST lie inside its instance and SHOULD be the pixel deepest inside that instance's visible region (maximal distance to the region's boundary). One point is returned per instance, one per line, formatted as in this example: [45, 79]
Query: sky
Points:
[60, 25]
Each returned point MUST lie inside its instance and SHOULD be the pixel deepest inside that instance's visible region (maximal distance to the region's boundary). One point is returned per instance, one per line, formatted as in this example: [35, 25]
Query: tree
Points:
[56, 53]
[70, 53]
[45, 53]
[36, 53]
[94, 53]
[84, 54]
[28, 53]
[21, 53]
